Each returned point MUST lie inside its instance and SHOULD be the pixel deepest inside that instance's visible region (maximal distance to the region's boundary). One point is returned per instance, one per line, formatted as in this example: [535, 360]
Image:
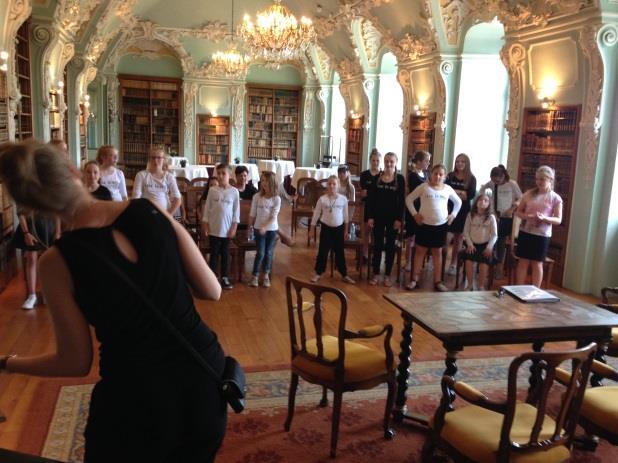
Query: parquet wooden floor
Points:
[251, 324]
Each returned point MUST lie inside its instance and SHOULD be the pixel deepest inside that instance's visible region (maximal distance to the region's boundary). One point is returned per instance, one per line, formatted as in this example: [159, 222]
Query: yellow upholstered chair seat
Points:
[600, 406]
[612, 349]
[361, 362]
[475, 432]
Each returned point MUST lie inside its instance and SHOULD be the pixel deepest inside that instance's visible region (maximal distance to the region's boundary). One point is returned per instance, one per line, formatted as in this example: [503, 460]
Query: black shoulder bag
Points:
[232, 383]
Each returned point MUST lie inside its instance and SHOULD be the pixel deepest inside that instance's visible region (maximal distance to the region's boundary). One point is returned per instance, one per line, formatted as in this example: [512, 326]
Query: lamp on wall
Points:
[354, 114]
[547, 103]
[4, 58]
[418, 109]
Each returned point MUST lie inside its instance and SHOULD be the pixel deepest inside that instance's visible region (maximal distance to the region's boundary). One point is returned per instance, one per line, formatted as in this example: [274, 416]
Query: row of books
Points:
[260, 117]
[283, 127]
[260, 133]
[553, 144]
[284, 143]
[136, 92]
[214, 139]
[213, 149]
[254, 100]
[137, 110]
[260, 109]
[263, 153]
[134, 147]
[562, 164]
[258, 142]
[354, 135]
[558, 121]
[285, 119]
[284, 153]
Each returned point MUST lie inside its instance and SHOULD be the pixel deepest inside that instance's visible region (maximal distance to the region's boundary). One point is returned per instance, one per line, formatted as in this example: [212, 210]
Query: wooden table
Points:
[312, 172]
[189, 172]
[481, 318]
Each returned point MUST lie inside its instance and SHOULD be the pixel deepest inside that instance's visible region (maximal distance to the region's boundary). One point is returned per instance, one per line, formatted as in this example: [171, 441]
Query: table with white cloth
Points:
[312, 172]
[281, 168]
[176, 161]
[189, 172]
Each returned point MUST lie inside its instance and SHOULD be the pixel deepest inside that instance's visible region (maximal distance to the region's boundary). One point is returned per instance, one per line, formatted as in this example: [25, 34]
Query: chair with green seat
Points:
[599, 412]
[510, 430]
[334, 361]
[612, 348]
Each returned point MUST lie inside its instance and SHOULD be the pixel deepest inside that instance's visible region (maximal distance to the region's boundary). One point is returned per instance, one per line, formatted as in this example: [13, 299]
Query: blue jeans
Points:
[265, 250]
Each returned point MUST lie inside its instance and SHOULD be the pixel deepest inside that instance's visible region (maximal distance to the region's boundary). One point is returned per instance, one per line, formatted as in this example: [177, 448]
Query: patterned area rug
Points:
[257, 435]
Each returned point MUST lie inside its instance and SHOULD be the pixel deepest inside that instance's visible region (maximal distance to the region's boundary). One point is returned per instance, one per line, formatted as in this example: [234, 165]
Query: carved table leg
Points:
[535, 373]
[403, 370]
[596, 379]
[451, 370]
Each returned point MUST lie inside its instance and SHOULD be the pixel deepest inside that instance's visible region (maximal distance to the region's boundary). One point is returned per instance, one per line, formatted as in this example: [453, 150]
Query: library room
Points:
[308, 230]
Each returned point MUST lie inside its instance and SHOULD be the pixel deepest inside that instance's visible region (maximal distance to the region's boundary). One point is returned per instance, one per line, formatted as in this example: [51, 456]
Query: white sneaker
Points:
[347, 279]
[254, 281]
[315, 278]
[266, 281]
[30, 302]
[452, 270]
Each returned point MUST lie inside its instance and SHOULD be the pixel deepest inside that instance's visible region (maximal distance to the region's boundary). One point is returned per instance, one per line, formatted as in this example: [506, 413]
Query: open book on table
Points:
[529, 293]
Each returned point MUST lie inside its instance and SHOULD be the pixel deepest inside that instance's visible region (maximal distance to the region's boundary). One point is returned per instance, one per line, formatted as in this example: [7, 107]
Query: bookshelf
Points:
[550, 137]
[23, 122]
[213, 139]
[354, 144]
[8, 265]
[273, 122]
[83, 134]
[149, 118]
[421, 134]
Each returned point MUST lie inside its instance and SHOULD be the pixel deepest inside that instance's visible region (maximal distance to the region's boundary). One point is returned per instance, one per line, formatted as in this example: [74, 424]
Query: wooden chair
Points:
[355, 213]
[398, 254]
[612, 348]
[599, 411]
[303, 203]
[335, 362]
[199, 181]
[461, 268]
[242, 240]
[511, 259]
[183, 184]
[192, 219]
[510, 430]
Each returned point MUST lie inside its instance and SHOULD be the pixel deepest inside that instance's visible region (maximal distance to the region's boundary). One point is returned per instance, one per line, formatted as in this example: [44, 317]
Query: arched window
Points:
[337, 123]
[389, 136]
[483, 96]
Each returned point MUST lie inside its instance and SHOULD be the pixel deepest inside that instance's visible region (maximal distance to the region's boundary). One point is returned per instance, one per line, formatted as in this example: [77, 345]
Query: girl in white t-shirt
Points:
[112, 178]
[432, 220]
[265, 207]
[157, 184]
[332, 212]
[480, 235]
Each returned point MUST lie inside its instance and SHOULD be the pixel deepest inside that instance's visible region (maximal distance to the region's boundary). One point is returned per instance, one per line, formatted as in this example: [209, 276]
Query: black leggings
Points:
[219, 247]
[381, 230]
[331, 239]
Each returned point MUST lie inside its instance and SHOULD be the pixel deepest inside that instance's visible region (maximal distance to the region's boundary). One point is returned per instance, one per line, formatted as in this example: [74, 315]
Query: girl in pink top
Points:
[540, 208]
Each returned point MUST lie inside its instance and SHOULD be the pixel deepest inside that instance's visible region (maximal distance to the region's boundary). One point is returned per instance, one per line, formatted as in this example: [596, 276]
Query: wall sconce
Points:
[418, 110]
[354, 114]
[4, 58]
[547, 103]
[86, 99]
[60, 86]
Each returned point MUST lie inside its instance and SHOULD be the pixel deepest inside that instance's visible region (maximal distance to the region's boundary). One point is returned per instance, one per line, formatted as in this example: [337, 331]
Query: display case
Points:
[550, 137]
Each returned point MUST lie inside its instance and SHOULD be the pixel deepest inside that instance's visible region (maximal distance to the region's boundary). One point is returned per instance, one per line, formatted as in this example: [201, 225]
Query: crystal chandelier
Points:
[231, 62]
[277, 36]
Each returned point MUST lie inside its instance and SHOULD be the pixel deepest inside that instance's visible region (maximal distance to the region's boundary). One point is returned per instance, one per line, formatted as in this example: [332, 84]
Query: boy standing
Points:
[220, 219]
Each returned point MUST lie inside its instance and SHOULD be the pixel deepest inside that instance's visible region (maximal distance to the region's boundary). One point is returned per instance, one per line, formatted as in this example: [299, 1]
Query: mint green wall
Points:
[214, 99]
[162, 67]
[286, 75]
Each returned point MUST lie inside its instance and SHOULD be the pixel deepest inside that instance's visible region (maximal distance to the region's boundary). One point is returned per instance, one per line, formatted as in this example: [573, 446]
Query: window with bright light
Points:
[337, 126]
[389, 135]
[483, 97]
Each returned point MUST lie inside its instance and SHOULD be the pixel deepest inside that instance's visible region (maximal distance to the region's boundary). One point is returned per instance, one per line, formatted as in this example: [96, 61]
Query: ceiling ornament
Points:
[327, 25]
[413, 47]
[349, 69]
[323, 62]
[277, 35]
[70, 15]
[514, 14]
[372, 39]
[231, 62]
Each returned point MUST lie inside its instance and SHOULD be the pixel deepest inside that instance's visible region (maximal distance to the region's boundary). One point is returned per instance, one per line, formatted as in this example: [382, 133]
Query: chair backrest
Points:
[183, 184]
[545, 364]
[192, 203]
[515, 229]
[299, 329]
[304, 192]
[199, 181]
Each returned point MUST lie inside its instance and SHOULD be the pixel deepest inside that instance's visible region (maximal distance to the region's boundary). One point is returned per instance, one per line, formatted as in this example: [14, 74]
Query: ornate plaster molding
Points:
[590, 122]
[608, 35]
[349, 69]
[189, 90]
[44, 37]
[348, 11]
[308, 108]
[112, 107]
[238, 118]
[440, 86]
[70, 15]
[323, 95]
[103, 34]
[515, 15]
[513, 56]
[323, 65]
[372, 39]
[405, 81]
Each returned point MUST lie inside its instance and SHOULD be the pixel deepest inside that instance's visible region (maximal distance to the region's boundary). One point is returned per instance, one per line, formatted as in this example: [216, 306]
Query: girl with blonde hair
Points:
[157, 184]
[112, 178]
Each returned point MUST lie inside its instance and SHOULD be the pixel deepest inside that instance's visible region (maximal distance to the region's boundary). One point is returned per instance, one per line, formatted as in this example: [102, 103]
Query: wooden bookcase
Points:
[23, 122]
[550, 137]
[354, 144]
[149, 118]
[273, 122]
[83, 134]
[213, 139]
[8, 265]
[421, 134]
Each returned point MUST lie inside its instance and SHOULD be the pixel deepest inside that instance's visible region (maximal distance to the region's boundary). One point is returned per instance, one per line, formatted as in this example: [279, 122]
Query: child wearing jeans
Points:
[480, 235]
[265, 206]
[332, 212]
[220, 219]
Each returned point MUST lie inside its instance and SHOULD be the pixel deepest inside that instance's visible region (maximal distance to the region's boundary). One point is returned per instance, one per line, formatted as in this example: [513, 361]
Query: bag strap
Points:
[148, 302]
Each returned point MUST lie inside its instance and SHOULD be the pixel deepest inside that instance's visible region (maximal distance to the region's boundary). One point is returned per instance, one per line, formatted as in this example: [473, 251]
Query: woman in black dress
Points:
[154, 402]
[92, 175]
[368, 179]
[464, 184]
[417, 175]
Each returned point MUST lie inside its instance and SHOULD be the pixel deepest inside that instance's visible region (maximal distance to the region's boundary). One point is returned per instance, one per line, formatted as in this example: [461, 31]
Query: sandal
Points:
[440, 287]
[388, 282]
[412, 285]
[373, 281]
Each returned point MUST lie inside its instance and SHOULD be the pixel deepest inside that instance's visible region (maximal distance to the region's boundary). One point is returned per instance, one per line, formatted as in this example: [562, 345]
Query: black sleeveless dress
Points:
[154, 402]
